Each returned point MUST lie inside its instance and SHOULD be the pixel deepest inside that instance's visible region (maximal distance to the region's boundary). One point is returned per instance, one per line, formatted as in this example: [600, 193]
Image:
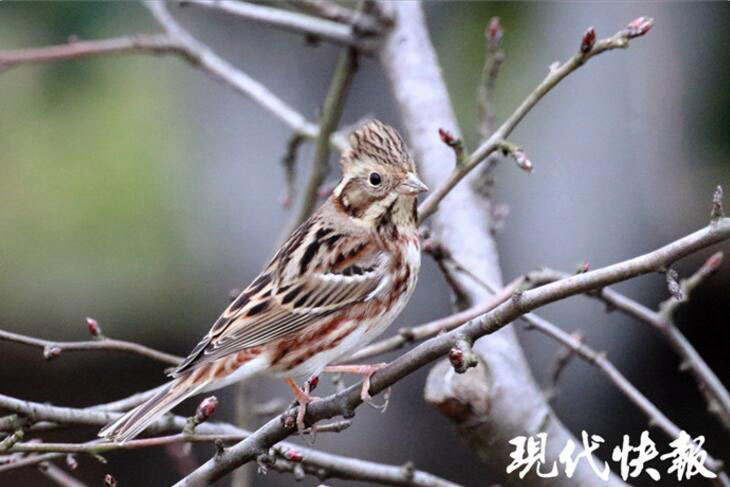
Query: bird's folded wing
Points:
[270, 309]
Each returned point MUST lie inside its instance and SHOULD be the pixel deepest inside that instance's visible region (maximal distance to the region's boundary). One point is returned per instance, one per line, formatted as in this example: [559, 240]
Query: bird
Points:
[334, 285]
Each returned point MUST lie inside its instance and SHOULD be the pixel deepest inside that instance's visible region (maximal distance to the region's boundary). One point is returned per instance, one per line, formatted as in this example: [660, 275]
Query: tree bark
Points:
[510, 403]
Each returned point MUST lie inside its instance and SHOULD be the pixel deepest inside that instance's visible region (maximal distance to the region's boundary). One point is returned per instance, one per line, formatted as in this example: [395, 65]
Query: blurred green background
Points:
[136, 190]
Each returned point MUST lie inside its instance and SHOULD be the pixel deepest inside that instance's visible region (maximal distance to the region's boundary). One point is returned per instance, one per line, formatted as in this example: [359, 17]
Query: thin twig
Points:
[337, 32]
[345, 402]
[74, 49]
[717, 396]
[494, 58]
[331, 114]
[599, 359]
[59, 476]
[619, 40]
[361, 22]
[52, 349]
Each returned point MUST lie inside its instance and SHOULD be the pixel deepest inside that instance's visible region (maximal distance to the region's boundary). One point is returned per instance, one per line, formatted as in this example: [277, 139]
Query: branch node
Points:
[717, 209]
[220, 448]
[517, 154]
[461, 356]
[675, 288]
[51, 351]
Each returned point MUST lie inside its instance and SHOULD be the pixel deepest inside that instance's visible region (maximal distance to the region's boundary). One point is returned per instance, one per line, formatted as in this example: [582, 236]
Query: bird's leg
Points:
[366, 371]
[303, 398]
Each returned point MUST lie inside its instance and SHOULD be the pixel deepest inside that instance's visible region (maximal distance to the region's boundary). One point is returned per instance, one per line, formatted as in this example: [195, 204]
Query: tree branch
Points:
[621, 39]
[599, 360]
[74, 49]
[337, 32]
[332, 108]
[345, 402]
[717, 396]
[52, 349]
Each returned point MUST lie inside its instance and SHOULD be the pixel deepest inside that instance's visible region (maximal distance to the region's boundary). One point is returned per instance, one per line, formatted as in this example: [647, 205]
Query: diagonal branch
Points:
[715, 393]
[621, 39]
[345, 402]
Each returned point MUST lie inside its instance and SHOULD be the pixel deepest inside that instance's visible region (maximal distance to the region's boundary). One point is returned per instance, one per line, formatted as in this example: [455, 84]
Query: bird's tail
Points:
[135, 421]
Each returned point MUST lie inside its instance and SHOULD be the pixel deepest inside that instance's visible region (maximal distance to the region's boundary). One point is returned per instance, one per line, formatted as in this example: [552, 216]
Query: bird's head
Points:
[377, 171]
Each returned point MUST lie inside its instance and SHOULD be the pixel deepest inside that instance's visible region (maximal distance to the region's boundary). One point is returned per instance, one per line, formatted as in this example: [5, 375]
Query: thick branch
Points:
[618, 40]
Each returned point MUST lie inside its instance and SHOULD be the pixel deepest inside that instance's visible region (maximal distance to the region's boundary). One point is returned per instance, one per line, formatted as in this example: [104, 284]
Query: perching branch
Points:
[337, 32]
[324, 465]
[344, 403]
[621, 39]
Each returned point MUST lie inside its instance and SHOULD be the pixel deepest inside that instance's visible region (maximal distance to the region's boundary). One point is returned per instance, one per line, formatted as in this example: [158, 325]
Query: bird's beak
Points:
[412, 185]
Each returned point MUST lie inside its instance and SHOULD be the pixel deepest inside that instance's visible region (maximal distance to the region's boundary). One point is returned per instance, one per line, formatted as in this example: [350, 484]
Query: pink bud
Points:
[584, 267]
[639, 27]
[110, 481]
[206, 408]
[522, 161]
[588, 41]
[71, 462]
[294, 456]
[494, 31]
[93, 326]
[713, 263]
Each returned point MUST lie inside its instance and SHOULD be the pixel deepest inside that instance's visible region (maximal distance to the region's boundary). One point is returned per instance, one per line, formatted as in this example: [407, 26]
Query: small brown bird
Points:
[337, 283]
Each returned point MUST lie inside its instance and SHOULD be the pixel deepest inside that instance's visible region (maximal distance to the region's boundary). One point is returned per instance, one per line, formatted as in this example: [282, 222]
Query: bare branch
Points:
[717, 396]
[599, 359]
[209, 61]
[334, 103]
[59, 476]
[362, 23]
[345, 402]
[75, 49]
[337, 32]
[494, 58]
[53, 349]
[618, 40]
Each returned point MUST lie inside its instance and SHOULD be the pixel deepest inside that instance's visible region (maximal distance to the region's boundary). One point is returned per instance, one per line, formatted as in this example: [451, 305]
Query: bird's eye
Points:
[375, 179]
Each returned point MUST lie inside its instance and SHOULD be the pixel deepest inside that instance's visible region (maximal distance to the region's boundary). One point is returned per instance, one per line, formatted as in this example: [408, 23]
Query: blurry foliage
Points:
[87, 176]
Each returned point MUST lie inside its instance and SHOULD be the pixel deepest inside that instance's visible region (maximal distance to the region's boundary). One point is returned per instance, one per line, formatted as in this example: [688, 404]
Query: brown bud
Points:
[206, 408]
[588, 40]
[447, 137]
[93, 326]
[456, 357]
[639, 27]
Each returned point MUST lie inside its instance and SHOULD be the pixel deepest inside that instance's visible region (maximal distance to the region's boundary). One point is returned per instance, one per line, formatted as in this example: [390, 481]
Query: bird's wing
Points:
[322, 273]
